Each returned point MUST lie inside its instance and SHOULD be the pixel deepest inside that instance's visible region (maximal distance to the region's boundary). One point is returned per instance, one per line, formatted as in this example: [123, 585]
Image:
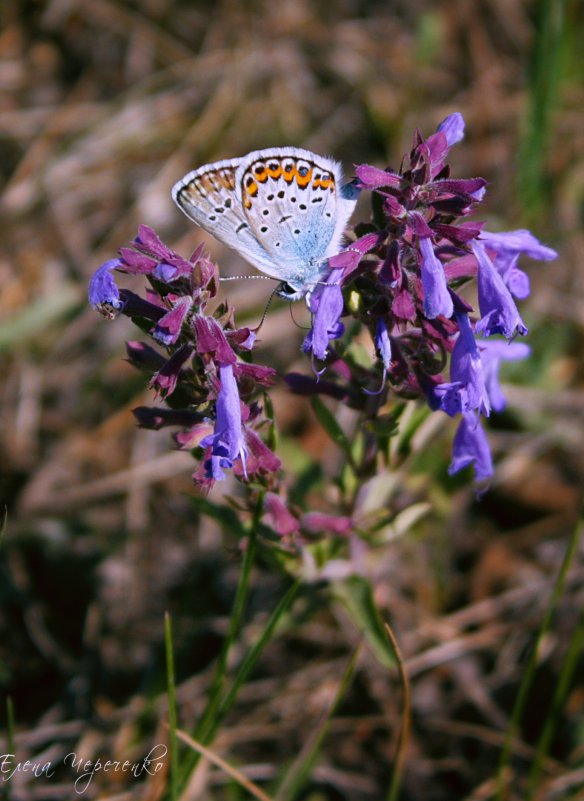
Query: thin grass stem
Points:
[567, 672]
[404, 733]
[529, 674]
[172, 717]
[300, 769]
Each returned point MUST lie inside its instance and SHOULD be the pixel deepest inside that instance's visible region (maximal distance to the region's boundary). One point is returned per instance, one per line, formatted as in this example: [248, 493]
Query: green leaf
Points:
[227, 517]
[356, 595]
[329, 422]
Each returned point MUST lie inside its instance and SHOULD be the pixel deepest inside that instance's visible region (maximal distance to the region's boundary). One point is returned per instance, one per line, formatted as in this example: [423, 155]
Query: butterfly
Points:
[283, 210]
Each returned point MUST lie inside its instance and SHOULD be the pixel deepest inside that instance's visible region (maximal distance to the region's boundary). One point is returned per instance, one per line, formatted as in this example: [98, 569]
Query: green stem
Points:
[300, 769]
[543, 96]
[205, 725]
[219, 705]
[172, 720]
[529, 673]
[570, 663]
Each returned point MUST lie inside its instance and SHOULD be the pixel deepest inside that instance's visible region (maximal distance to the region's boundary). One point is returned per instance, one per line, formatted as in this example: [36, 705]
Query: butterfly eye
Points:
[286, 291]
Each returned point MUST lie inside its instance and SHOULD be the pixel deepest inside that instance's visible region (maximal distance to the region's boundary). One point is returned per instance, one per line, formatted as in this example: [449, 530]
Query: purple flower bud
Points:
[326, 304]
[226, 442]
[211, 339]
[143, 356]
[192, 438]
[348, 259]
[242, 338]
[103, 293]
[508, 246]
[466, 391]
[165, 380]
[374, 178]
[278, 517]
[156, 417]
[492, 353]
[499, 314]
[136, 263]
[317, 522]
[453, 128]
[168, 328]
[471, 447]
[258, 373]
[260, 458]
[417, 225]
[437, 298]
[403, 305]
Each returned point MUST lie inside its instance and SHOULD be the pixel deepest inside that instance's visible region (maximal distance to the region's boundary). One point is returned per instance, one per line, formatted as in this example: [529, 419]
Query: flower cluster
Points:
[403, 279]
[202, 367]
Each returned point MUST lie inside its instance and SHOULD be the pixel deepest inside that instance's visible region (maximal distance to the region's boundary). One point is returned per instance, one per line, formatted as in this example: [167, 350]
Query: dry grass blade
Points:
[216, 760]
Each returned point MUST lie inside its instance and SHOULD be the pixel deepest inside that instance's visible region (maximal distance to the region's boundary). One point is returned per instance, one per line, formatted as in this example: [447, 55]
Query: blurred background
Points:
[104, 104]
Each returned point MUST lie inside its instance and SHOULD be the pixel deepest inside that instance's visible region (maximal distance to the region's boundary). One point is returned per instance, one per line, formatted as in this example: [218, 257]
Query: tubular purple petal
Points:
[453, 128]
[103, 291]
[466, 391]
[471, 447]
[437, 298]
[507, 247]
[226, 442]
[492, 353]
[499, 314]
[326, 303]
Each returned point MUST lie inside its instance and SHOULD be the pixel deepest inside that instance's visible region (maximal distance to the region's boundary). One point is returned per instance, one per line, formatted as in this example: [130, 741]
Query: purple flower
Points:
[499, 314]
[168, 328]
[453, 128]
[226, 442]
[466, 391]
[103, 293]
[492, 353]
[383, 343]
[508, 246]
[437, 298]
[326, 304]
[278, 517]
[471, 447]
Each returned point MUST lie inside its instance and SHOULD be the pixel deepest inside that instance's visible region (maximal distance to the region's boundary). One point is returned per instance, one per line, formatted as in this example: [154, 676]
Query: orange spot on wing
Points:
[252, 188]
[327, 183]
[276, 173]
[289, 174]
[260, 174]
[303, 180]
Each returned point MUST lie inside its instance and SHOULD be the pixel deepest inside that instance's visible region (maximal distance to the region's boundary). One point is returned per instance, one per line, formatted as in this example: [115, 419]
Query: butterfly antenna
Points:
[265, 314]
[247, 277]
[297, 324]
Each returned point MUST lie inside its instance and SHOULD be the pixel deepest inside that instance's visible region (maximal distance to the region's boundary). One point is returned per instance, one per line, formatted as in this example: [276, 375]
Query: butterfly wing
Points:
[296, 207]
[208, 196]
[283, 209]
